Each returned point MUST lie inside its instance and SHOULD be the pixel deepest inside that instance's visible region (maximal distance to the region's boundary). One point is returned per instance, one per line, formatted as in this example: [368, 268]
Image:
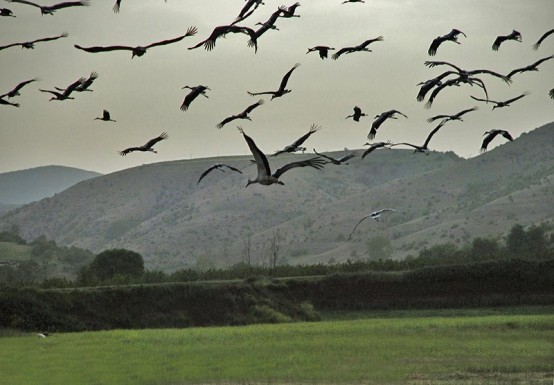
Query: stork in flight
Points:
[456, 116]
[289, 11]
[359, 48]
[85, 84]
[247, 9]
[357, 114]
[425, 147]
[342, 160]
[375, 146]
[242, 115]
[544, 36]
[50, 9]
[138, 50]
[31, 44]
[373, 215]
[195, 91]
[15, 91]
[323, 50]
[353, 1]
[530, 67]
[6, 12]
[551, 93]
[105, 117]
[490, 135]
[514, 35]
[450, 36]
[282, 87]
[146, 147]
[218, 166]
[501, 104]
[265, 177]
[265, 26]
[223, 30]
[65, 94]
[379, 119]
[297, 143]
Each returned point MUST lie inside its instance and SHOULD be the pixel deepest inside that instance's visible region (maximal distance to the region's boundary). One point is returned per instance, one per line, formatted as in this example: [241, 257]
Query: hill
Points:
[160, 211]
[25, 186]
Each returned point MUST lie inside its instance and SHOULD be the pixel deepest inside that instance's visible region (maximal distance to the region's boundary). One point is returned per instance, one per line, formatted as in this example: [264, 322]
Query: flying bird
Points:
[456, 116]
[146, 147]
[50, 9]
[323, 50]
[31, 44]
[374, 215]
[490, 135]
[339, 161]
[544, 36]
[105, 117]
[247, 10]
[353, 1]
[501, 104]
[357, 114]
[218, 166]
[138, 50]
[265, 26]
[8, 103]
[450, 36]
[551, 93]
[289, 11]
[65, 94]
[265, 177]
[379, 119]
[465, 74]
[15, 91]
[6, 12]
[195, 91]
[296, 145]
[85, 83]
[530, 67]
[358, 48]
[282, 87]
[242, 115]
[425, 147]
[223, 30]
[514, 35]
[375, 146]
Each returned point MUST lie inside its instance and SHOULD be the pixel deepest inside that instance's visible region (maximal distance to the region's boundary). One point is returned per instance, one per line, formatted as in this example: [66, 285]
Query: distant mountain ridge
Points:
[160, 211]
[29, 185]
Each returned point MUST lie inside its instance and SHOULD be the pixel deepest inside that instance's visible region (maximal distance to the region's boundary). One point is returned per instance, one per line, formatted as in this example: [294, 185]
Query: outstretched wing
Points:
[65, 34]
[433, 132]
[331, 160]
[302, 139]
[24, 2]
[337, 54]
[226, 120]
[104, 49]
[84, 3]
[251, 107]
[190, 32]
[315, 162]
[9, 45]
[153, 141]
[544, 36]
[287, 76]
[357, 224]
[435, 45]
[261, 160]
[516, 98]
[19, 86]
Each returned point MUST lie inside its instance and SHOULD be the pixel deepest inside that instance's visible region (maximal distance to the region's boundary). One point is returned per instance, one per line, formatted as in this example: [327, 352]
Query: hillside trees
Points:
[111, 263]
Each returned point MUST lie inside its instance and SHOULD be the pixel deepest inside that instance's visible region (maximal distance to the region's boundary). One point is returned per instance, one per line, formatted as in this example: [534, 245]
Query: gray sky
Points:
[144, 94]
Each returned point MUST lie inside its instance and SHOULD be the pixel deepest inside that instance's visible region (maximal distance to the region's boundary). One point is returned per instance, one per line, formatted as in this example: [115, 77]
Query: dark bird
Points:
[265, 177]
[6, 12]
[379, 119]
[65, 94]
[223, 30]
[450, 36]
[544, 36]
[282, 87]
[375, 146]
[353, 1]
[50, 9]
[116, 6]
[218, 166]
[15, 91]
[457, 116]
[7, 103]
[357, 114]
[514, 35]
[465, 74]
[358, 48]
[247, 10]
[146, 147]
[195, 91]
[296, 145]
[455, 82]
[265, 26]
[85, 84]
[105, 117]
[425, 147]
[342, 160]
[530, 67]
[501, 104]
[289, 11]
[374, 215]
[551, 93]
[138, 50]
[31, 44]
[322, 49]
[428, 85]
[242, 115]
[490, 135]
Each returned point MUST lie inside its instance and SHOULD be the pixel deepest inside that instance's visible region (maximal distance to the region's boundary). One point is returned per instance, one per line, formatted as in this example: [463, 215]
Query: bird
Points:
[358, 48]
[501, 104]
[242, 115]
[296, 145]
[246, 9]
[374, 215]
[465, 74]
[289, 11]
[514, 35]
[8, 103]
[353, 1]
[105, 117]
[223, 30]
[425, 147]
[15, 91]
[323, 50]
[218, 166]
[282, 87]
[6, 12]
[265, 26]
[146, 147]
[551, 93]
[375, 146]
[490, 135]
[195, 91]
[544, 36]
[50, 9]
[138, 50]
[357, 114]
[427, 85]
[31, 44]
[379, 119]
[450, 36]
[65, 94]
[456, 116]
[264, 176]
[85, 84]
[530, 67]
[339, 161]
[455, 82]
[116, 6]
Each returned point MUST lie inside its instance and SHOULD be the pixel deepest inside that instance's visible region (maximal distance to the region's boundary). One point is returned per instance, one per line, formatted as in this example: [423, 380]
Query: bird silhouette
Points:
[31, 44]
[6, 12]
[456, 116]
[544, 36]
[223, 30]
[530, 67]
[425, 147]
[15, 91]
[501, 104]
[50, 9]
[296, 145]
[514, 35]
[218, 166]
[195, 91]
[65, 94]
[490, 135]
[375, 146]
[289, 11]
[342, 160]
[450, 36]
[323, 50]
[146, 147]
[379, 119]
[242, 115]
[358, 48]
[357, 114]
[374, 215]
[282, 87]
[105, 117]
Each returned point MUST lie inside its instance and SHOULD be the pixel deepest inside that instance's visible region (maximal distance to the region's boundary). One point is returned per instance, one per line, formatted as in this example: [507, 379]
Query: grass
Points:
[10, 251]
[433, 349]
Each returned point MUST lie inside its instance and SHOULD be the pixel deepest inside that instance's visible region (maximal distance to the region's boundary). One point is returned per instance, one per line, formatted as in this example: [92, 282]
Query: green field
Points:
[435, 348]
[10, 251]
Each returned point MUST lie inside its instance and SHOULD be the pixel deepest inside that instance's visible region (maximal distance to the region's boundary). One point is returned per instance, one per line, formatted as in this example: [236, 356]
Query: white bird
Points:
[374, 215]
[43, 334]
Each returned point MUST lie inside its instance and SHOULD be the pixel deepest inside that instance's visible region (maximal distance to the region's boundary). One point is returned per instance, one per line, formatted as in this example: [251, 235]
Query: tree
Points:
[274, 248]
[517, 240]
[117, 261]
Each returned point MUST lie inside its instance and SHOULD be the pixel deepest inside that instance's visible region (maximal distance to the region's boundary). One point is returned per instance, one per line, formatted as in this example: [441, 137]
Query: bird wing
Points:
[516, 98]
[315, 162]
[69, 89]
[65, 34]
[208, 171]
[84, 3]
[190, 32]
[106, 115]
[189, 98]
[433, 132]
[489, 72]
[24, 2]
[542, 60]
[261, 160]
[398, 112]
[435, 45]
[20, 86]
[488, 139]
[286, 77]
[551, 93]
[302, 139]
[332, 160]
[499, 40]
[483, 100]
[461, 113]
[116, 6]
[251, 107]
[437, 117]
[10, 45]
[88, 82]
[104, 49]
[232, 168]
[261, 93]
[226, 120]
[544, 36]
[336, 55]
[357, 224]
[369, 41]
[347, 157]
[507, 135]
[432, 64]
[130, 149]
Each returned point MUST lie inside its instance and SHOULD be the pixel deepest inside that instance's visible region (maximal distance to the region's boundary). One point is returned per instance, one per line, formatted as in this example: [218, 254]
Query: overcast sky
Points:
[144, 94]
